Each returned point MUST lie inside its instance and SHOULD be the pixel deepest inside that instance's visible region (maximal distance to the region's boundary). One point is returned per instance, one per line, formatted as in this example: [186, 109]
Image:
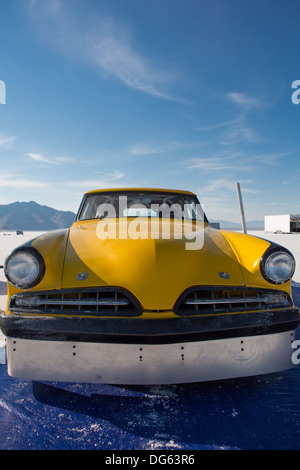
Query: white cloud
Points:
[19, 182]
[60, 194]
[39, 158]
[219, 125]
[148, 149]
[216, 185]
[56, 161]
[105, 180]
[246, 101]
[7, 141]
[107, 45]
[111, 50]
[63, 159]
[236, 162]
[217, 163]
[236, 130]
[269, 159]
[239, 133]
[41, 8]
[291, 179]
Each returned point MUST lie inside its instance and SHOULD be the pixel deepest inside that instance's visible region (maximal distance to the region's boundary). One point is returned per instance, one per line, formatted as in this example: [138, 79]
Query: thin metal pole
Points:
[241, 207]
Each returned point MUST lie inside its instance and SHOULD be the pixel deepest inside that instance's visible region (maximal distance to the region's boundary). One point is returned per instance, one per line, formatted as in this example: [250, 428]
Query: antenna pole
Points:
[238, 188]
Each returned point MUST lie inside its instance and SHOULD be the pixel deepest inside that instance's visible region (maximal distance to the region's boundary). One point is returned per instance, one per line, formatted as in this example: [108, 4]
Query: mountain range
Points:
[251, 225]
[35, 217]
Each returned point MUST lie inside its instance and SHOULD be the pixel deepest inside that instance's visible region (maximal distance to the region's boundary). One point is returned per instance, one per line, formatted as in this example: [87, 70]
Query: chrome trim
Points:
[226, 301]
[99, 301]
[39, 302]
[205, 300]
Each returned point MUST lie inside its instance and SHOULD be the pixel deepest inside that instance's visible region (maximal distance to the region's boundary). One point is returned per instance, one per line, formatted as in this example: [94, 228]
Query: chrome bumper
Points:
[182, 362]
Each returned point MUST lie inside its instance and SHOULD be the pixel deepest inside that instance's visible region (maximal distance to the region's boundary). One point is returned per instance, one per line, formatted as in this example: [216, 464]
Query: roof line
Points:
[140, 189]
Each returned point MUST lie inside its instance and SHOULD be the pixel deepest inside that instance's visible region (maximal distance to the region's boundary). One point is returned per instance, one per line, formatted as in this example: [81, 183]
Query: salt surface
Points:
[10, 240]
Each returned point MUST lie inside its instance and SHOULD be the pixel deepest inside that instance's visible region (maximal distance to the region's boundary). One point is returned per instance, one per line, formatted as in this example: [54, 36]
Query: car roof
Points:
[178, 191]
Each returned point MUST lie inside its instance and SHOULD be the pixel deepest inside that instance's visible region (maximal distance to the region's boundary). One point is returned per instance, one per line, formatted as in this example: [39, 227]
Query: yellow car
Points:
[142, 290]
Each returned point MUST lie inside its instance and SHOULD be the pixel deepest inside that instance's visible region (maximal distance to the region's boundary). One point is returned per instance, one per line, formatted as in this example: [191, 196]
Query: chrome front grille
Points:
[215, 300]
[113, 302]
[118, 302]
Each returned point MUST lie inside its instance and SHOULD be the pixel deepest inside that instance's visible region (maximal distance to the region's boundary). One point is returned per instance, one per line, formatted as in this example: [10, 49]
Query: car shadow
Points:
[230, 414]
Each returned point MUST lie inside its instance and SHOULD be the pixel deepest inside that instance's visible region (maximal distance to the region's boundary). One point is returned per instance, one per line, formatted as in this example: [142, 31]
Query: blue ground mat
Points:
[260, 412]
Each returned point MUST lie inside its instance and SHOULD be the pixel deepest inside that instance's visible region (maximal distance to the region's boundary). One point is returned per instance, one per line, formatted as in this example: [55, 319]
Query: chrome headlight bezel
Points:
[269, 273]
[35, 267]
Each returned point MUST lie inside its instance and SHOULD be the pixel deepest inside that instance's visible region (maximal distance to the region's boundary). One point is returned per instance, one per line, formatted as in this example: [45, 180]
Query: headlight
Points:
[24, 268]
[277, 265]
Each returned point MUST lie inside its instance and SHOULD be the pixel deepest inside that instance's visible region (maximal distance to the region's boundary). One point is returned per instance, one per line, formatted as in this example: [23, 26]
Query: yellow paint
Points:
[156, 270]
[249, 250]
[118, 190]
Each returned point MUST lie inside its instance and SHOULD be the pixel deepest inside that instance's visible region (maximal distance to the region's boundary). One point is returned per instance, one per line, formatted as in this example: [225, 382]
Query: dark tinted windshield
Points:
[143, 204]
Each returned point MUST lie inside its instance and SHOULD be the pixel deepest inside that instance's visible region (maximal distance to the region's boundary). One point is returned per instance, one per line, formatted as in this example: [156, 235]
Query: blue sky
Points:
[187, 94]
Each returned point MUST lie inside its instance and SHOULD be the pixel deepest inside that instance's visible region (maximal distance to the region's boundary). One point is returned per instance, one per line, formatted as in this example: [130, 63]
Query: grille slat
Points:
[108, 302]
[217, 299]
[224, 301]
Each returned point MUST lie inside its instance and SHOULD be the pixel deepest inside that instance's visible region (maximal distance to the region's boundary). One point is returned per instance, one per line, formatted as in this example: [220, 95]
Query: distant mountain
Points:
[33, 216]
[252, 224]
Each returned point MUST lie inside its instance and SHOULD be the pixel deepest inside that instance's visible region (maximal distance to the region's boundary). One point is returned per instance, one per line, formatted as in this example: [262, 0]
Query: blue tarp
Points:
[251, 413]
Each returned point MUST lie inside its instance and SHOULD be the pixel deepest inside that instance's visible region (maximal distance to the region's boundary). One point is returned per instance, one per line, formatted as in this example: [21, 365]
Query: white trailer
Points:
[285, 223]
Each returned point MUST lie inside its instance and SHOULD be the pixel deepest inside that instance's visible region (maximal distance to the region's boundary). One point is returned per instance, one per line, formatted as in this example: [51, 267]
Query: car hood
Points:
[155, 270]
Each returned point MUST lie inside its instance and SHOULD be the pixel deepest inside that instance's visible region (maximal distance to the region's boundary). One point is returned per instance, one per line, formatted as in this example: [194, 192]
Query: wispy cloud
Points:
[291, 179]
[214, 163]
[56, 161]
[44, 7]
[105, 180]
[248, 102]
[7, 141]
[111, 49]
[19, 182]
[269, 159]
[107, 45]
[236, 162]
[217, 185]
[152, 149]
[219, 198]
[64, 194]
[38, 158]
[220, 125]
[239, 132]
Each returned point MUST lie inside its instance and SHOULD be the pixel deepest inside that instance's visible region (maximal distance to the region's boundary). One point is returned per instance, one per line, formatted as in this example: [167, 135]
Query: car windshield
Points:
[141, 204]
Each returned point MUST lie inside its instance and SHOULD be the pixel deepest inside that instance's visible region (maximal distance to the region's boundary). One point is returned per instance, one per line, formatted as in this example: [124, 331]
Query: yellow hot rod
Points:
[142, 290]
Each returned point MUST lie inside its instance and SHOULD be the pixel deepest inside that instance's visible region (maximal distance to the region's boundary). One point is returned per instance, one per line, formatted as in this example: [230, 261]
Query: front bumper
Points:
[144, 364]
[140, 351]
